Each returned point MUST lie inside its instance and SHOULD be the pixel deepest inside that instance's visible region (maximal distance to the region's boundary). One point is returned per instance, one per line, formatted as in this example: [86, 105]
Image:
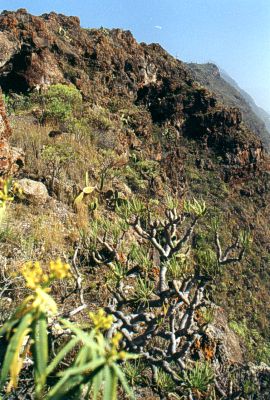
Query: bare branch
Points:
[78, 277]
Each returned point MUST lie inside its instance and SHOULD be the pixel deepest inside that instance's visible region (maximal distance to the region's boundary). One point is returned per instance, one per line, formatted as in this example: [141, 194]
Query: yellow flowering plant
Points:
[100, 320]
[95, 368]
[27, 328]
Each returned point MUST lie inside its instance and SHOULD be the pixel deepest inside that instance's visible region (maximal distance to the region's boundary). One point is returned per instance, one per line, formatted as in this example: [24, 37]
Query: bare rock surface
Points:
[33, 191]
[229, 342]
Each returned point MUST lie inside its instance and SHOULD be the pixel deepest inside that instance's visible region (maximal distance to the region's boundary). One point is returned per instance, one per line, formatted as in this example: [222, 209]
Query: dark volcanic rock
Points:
[102, 63]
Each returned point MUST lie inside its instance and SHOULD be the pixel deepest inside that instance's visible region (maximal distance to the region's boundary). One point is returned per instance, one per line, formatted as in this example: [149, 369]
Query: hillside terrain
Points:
[260, 112]
[228, 92]
[151, 179]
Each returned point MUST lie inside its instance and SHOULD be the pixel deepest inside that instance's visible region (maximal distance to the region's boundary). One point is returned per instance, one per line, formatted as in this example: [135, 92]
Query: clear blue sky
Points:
[235, 34]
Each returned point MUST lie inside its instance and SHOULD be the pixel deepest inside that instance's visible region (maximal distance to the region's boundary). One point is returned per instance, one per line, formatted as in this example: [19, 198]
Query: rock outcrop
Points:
[228, 348]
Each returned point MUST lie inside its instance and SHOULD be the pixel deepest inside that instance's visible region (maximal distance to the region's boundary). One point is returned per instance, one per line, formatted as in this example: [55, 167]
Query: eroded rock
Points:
[102, 63]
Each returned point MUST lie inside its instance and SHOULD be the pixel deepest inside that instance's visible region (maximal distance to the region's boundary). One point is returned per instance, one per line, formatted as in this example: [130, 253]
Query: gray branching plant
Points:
[162, 328]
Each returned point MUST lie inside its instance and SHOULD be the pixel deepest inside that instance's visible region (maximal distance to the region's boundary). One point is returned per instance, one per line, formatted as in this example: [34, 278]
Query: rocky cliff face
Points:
[39, 51]
[228, 93]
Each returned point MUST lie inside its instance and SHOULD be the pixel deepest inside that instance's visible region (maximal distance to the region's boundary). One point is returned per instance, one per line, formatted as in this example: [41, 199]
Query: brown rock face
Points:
[11, 159]
[39, 51]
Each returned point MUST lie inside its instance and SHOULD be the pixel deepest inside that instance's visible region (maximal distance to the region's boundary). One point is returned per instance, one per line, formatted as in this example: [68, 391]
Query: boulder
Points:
[33, 191]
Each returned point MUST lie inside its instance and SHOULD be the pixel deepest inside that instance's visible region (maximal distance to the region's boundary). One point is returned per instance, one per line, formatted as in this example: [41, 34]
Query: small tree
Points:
[93, 370]
[158, 318]
[57, 157]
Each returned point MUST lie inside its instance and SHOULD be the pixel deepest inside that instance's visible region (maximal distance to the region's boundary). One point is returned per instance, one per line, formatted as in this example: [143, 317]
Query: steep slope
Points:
[260, 112]
[141, 127]
[228, 92]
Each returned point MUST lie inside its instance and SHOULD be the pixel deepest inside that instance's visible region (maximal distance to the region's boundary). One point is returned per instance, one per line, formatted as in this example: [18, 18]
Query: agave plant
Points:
[85, 192]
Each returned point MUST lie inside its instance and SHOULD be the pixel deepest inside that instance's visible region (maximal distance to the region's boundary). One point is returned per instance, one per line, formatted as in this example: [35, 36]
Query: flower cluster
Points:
[7, 190]
[115, 343]
[34, 275]
[101, 321]
[59, 270]
[116, 339]
[36, 278]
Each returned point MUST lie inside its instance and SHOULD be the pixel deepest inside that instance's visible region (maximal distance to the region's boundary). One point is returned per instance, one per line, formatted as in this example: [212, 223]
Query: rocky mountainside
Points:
[39, 51]
[228, 92]
[104, 122]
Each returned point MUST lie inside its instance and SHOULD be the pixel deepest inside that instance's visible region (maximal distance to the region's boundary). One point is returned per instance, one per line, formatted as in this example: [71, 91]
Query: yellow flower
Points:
[34, 275]
[116, 339]
[100, 320]
[4, 192]
[114, 354]
[122, 355]
[59, 270]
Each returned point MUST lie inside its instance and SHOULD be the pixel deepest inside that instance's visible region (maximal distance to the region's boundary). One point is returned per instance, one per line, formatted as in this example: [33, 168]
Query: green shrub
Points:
[178, 266]
[61, 103]
[134, 371]
[143, 291]
[164, 382]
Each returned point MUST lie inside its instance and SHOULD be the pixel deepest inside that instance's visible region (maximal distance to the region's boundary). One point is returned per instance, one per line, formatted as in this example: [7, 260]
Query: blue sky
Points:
[235, 34]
